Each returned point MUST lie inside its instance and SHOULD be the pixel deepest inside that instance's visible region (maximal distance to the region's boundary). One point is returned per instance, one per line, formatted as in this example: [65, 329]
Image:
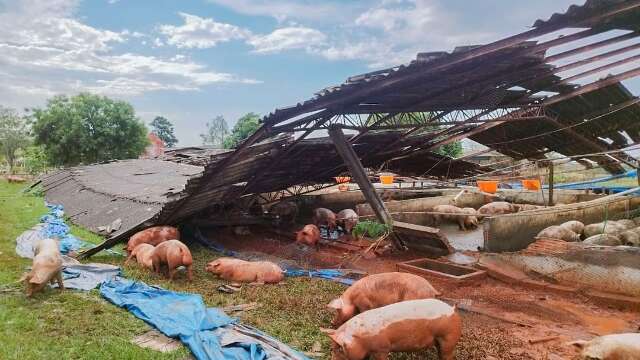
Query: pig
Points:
[142, 253]
[558, 232]
[630, 237]
[467, 220]
[626, 224]
[497, 208]
[611, 227]
[153, 235]
[309, 235]
[348, 219]
[46, 267]
[603, 239]
[573, 225]
[636, 220]
[172, 253]
[527, 207]
[322, 216]
[610, 347]
[406, 326]
[378, 290]
[284, 213]
[254, 272]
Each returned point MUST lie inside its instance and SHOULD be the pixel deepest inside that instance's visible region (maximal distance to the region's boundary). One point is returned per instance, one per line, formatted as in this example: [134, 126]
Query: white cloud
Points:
[288, 9]
[46, 50]
[288, 38]
[201, 33]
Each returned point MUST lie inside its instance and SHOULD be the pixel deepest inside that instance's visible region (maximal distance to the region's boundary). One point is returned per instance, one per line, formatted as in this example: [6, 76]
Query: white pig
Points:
[610, 347]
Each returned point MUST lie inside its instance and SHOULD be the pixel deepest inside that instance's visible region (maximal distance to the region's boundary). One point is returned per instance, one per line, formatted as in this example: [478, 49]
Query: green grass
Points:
[81, 325]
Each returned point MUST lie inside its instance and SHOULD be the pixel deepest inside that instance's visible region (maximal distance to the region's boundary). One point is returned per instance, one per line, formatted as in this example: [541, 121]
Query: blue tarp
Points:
[87, 276]
[185, 316]
[336, 275]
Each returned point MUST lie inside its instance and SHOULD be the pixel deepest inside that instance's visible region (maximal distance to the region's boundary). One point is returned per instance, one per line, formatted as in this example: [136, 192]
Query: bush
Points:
[372, 229]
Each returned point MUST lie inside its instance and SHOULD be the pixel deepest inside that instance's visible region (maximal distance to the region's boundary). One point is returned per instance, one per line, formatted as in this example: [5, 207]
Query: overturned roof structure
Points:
[510, 95]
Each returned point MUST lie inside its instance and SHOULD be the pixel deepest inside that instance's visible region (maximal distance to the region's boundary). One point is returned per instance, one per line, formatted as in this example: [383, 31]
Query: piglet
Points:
[322, 216]
[255, 272]
[309, 235]
[142, 253]
[153, 235]
[348, 219]
[172, 253]
[47, 267]
[405, 326]
[559, 233]
[378, 290]
[603, 239]
[610, 347]
[497, 208]
[573, 225]
[464, 217]
[609, 227]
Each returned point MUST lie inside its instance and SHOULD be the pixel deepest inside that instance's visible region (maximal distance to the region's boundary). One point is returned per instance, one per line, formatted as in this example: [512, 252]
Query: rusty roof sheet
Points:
[577, 13]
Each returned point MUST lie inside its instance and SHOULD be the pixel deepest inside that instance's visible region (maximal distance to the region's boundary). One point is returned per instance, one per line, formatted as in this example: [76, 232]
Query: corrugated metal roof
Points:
[577, 13]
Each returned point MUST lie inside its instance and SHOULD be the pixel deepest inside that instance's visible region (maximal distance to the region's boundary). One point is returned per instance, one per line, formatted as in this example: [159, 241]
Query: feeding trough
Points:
[429, 268]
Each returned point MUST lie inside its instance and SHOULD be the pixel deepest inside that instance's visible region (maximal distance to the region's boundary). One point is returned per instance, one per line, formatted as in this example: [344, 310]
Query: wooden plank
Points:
[550, 202]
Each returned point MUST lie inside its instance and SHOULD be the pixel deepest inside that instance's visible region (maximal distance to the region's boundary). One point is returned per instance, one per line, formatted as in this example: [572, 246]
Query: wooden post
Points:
[350, 158]
[550, 183]
[638, 175]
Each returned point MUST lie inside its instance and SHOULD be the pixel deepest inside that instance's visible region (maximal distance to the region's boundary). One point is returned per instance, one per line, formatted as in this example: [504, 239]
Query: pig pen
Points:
[500, 320]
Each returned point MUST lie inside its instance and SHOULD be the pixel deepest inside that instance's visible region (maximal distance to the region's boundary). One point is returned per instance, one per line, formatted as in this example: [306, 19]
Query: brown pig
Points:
[559, 233]
[256, 272]
[609, 227]
[456, 215]
[322, 216]
[309, 235]
[497, 208]
[610, 347]
[573, 225]
[47, 267]
[527, 207]
[408, 326]
[378, 290]
[142, 253]
[347, 218]
[630, 237]
[172, 253]
[153, 235]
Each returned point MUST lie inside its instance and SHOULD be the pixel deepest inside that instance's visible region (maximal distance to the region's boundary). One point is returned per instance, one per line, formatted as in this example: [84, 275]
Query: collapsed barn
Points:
[513, 96]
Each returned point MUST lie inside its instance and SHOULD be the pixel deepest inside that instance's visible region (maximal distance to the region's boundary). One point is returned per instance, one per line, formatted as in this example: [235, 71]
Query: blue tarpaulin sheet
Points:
[185, 316]
[328, 274]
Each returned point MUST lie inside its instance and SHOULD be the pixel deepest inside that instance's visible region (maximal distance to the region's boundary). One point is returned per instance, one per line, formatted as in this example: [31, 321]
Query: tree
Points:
[88, 128]
[244, 128]
[217, 131]
[453, 149]
[164, 129]
[14, 135]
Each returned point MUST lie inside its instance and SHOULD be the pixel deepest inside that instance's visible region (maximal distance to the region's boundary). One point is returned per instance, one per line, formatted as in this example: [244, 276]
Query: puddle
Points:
[599, 325]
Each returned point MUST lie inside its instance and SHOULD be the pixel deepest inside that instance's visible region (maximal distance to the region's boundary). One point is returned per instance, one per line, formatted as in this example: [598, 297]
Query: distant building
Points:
[155, 148]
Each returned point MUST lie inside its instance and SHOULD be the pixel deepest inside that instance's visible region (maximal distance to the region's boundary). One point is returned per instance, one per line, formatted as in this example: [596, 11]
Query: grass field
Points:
[80, 325]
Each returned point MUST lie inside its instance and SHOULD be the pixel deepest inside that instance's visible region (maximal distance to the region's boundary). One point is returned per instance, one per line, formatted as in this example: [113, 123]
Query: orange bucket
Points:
[531, 184]
[386, 179]
[342, 179]
[488, 186]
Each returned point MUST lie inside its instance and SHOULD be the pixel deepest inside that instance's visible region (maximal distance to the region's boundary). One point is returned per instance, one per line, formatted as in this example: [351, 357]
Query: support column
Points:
[350, 158]
[550, 183]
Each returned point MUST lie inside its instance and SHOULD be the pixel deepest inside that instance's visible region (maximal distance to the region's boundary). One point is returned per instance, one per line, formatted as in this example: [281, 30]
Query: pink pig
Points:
[153, 235]
[172, 253]
[405, 326]
[47, 267]
[142, 253]
[322, 216]
[309, 235]
[256, 272]
[378, 290]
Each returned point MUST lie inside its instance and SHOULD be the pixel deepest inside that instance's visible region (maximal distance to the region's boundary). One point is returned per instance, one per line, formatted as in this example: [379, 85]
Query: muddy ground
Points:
[530, 314]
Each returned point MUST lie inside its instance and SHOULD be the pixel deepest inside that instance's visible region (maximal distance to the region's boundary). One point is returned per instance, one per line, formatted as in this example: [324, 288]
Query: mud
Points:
[569, 317]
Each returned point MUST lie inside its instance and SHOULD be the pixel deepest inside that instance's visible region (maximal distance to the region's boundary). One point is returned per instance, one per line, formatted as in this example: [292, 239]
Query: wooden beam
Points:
[350, 158]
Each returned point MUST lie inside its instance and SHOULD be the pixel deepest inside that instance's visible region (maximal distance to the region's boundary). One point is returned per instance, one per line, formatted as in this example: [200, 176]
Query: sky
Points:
[191, 60]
